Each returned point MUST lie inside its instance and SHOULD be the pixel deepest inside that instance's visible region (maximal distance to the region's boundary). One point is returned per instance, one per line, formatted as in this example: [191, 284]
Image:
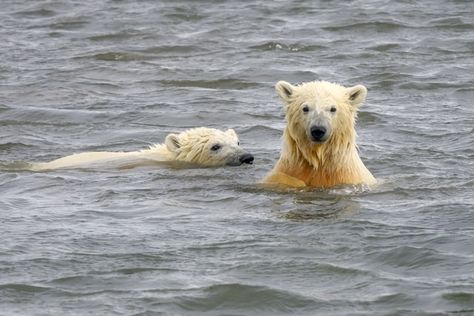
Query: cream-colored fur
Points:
[196, 146]
[333, 160]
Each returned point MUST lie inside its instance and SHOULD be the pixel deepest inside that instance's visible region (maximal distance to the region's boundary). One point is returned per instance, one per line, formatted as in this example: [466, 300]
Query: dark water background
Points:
[117, 75]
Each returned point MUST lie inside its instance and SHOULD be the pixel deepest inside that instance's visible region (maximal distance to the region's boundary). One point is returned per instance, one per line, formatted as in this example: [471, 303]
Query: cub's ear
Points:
[285, 90]
[356, 95]
[172, 142]
[231, 132]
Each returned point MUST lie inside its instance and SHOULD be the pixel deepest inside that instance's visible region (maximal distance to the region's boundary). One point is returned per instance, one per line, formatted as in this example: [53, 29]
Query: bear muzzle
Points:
[246, 158]
[319, 133]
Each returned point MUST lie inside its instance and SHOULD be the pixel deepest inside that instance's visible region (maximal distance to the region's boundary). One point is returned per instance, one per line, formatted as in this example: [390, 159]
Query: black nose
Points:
[246, 158]
[318, 132]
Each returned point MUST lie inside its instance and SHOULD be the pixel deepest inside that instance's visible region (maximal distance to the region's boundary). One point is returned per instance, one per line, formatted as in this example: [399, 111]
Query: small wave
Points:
[129, 271]
[409, 257]
[388, 47]
[40, 13]
[32, 123]
[428, 85]
[248, 296]
[37, 116]
[230, 83]
[269, 46]
[459, 297]
[173, 49]
[144, 54]
[119, 56]
[300, 215]
[334, 269]
[116, 36]
[185, 16]
[378, 26]
[259, 129]
[25, 288]
[8, 146]
[67, 25]
[370, 117]
[395, 299]
[451, 23]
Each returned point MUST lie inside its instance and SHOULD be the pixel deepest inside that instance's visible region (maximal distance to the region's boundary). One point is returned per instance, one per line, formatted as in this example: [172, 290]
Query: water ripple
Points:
[23, 288]
[269, 46]
[36, 13]
[119, 56]
[230, 297]
[230, 83]
[377, 26]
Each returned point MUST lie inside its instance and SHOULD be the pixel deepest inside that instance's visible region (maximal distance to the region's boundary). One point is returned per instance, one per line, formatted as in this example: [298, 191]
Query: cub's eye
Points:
[216, 147]
[238, 143]
[305, 109]
[333, 109]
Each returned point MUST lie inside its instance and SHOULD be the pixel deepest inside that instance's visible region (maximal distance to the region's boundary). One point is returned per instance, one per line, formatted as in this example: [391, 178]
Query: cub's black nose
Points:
[318, 132]
[246, 158]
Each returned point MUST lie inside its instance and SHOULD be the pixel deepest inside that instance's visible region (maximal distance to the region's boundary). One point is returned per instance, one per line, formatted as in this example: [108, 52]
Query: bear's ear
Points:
[172, 142]
[356, 95]
[285, 90]
[231, 132]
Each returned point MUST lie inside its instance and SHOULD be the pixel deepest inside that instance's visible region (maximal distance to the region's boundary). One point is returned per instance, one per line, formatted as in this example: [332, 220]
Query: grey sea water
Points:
[118, 75]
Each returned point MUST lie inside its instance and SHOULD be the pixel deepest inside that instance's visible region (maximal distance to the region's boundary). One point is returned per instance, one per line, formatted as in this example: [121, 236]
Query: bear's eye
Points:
[238, 143]
[216, 147]
[333, 109]
[305, 109]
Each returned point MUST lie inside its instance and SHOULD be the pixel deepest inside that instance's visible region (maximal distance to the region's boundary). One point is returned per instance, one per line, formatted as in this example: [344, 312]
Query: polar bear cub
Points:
[202, 146]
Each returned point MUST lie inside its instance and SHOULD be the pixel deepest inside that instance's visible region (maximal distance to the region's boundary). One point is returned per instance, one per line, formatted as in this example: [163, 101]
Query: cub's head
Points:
[208, 147]
[321, 112]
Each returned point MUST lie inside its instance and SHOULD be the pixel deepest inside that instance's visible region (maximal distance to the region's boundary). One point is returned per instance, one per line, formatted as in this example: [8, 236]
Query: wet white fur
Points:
[191, 146]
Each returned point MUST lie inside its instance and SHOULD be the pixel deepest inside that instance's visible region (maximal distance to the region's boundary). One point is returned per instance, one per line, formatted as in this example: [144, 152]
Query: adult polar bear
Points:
[319, 141]
[201, 146]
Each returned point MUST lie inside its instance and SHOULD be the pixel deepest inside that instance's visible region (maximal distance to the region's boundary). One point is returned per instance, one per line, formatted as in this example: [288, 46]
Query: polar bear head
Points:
[320, 110]
[208, 147]
[321, 117]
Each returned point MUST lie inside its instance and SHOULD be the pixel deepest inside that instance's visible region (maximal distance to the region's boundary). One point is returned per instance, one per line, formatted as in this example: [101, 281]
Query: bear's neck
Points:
[324, 165]
[158, 152]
